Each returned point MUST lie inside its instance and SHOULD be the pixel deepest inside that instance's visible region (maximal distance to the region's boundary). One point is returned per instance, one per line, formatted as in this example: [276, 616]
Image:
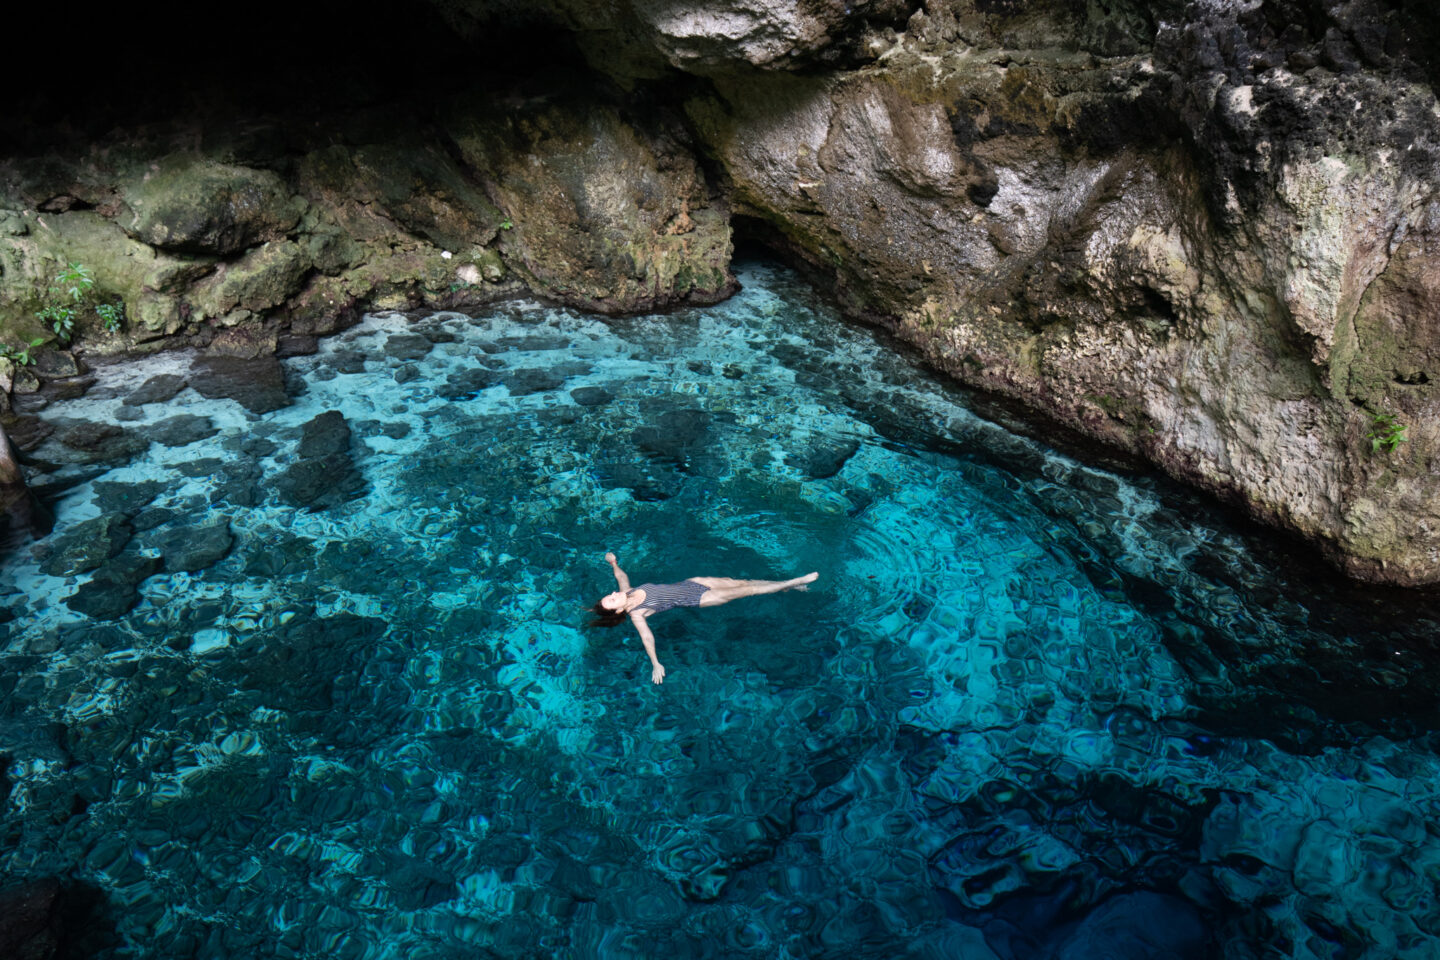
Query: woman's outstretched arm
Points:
[620, 577]
[657, 672]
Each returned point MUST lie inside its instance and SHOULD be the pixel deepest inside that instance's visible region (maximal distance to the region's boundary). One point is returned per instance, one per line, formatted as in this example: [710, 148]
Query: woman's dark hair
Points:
[604, 617]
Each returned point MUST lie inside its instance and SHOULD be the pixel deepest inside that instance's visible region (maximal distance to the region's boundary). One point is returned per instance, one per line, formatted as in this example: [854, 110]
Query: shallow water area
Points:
[329, 691]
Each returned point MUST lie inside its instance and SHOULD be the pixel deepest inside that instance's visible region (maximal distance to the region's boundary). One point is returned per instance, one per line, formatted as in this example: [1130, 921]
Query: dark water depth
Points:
[314, 682]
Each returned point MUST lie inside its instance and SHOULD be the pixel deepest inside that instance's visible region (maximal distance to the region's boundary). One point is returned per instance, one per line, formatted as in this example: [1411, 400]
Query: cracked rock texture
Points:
[1207, 233]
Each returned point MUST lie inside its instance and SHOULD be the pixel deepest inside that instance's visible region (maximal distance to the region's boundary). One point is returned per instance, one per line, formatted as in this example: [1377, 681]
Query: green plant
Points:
[111, 315]
[22, 355]
[67, 295]
[507, 224]
[74, 281]
[61, 320]
[1385, 431]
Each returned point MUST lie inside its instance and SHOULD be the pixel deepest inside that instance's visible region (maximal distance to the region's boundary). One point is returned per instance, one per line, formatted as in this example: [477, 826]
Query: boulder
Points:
[195, 205]
[325, 474]
[157, 389]
[85, 546]
[111, 592]
[92, 442]
[258, 385]
[182, 430]
[192, 547]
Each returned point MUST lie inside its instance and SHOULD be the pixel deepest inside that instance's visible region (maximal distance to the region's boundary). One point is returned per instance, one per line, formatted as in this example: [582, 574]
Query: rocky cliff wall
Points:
[1207, 233]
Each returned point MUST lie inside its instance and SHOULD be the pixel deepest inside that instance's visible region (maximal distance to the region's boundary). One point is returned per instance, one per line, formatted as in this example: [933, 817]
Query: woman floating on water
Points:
[651, 598]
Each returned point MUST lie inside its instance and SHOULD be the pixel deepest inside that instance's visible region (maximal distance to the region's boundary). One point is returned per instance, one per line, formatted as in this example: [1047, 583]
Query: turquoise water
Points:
[1031, 709]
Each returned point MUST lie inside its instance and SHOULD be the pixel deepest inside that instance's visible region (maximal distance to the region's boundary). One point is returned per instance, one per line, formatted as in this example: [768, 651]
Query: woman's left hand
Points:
[657, 674]
[609, 558]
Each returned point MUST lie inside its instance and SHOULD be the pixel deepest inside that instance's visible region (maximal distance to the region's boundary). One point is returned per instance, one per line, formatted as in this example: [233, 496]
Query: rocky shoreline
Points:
[1206, 234]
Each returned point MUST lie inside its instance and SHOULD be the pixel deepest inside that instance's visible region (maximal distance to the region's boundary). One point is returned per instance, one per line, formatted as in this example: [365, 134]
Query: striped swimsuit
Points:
[660, 597]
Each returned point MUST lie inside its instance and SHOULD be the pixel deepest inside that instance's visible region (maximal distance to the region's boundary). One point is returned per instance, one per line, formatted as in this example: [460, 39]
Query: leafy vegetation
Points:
[68, 295]
[111, 315]
[1386, 432]
[22, 354]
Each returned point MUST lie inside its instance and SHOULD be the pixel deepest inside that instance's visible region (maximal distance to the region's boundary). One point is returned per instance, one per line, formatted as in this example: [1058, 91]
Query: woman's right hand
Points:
[657, 674]
[609, 558]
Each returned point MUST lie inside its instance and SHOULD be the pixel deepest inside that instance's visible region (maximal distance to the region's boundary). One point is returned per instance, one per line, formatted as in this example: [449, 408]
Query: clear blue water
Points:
[1032, 708]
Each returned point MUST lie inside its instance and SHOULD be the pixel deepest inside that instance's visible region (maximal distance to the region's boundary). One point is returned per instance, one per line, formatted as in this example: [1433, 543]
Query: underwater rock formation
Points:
[1205, 233]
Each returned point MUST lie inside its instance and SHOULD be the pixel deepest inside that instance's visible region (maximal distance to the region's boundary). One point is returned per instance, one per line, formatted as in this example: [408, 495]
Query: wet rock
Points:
[324, 435]
[532, 380]
[29, 914]
[129, 414]
[192, 547]
[158, 389]
[238, 484]
[152, 517]
[281, 555]
[27, 433]
[111, 591]
[416, 884]
[823, 458]
[55, 364]
[372, 428]
[675, 435]
[296, 346]
[467, 383]
[300, 668]
[407, 372]
[181, 430]
[71, 388]
[407, 346]
[536, 342]
[436, 333]
[125, 498]
[325, 474]
[646, 482]
[1138, 926]
[85, 546]
[348, 361]
[94, 442]
[591, 396]
[258, 385]
[253, 445]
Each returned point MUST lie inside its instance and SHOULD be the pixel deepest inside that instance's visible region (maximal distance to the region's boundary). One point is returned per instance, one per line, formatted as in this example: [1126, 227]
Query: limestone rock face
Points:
[1189, 250]
[605, 215]
[198, 206]
[639, 38]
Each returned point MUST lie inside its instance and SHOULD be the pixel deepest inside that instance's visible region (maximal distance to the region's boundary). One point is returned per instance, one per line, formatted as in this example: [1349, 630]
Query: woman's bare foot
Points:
[800, 582]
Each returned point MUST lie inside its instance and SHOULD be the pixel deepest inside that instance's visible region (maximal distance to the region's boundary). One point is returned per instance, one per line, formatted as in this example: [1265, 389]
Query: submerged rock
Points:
[93, 442]
[258, 384]
[407, 346]
[823, 457]
[591, 396]
[182, 430]
[85, 546]
[111, 592]
[192, 547]
[126, 498]
[325, 474]
[467, 383]
[157, 389]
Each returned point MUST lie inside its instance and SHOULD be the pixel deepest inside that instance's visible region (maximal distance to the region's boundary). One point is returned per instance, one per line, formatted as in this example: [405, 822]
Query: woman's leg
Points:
[724, 589]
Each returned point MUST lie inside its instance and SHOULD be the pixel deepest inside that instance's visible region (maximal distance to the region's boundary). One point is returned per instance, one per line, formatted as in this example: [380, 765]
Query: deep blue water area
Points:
[302, 670]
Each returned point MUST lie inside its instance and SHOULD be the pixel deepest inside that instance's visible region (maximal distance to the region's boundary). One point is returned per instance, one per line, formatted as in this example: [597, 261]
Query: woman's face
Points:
[614, 601]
